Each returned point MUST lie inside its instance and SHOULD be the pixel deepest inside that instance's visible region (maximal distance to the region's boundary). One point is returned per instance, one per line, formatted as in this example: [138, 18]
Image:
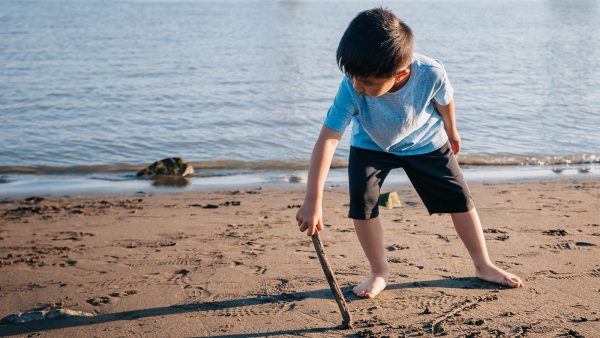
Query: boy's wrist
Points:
[451, 130]
[312, 199]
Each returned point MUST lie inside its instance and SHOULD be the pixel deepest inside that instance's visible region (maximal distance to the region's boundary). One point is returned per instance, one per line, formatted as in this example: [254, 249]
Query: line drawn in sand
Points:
[567, 275]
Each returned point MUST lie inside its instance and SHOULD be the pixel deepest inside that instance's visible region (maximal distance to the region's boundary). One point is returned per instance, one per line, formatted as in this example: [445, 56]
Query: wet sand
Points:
[232, 263]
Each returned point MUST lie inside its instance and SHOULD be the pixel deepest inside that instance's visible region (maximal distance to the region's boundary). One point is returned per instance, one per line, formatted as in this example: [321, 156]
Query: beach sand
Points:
[233, 263]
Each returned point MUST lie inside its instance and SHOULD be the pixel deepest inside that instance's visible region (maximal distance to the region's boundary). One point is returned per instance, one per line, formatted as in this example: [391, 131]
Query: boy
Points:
[403, 112]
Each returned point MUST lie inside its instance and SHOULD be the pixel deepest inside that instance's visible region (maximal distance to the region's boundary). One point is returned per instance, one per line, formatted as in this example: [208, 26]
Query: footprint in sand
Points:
[40, 255]
[244, 310]
[110, 298]
[70, 235]
[397, 260]
[555, 232]
[438, 302]
[503, 236]
[181, 261]
[493, 231]
[134, 243]
[181, 277]
[127, 282]
[566, 246]
[176, 236]
[195, 294]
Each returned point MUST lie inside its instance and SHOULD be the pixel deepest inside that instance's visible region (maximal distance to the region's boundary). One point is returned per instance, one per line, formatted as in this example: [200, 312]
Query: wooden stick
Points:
[333, 285]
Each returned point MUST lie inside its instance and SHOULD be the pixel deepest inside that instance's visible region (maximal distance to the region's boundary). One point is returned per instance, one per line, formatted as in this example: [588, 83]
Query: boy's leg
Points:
[367, 170]
[469, 230]
[370, 236]
[440, 183]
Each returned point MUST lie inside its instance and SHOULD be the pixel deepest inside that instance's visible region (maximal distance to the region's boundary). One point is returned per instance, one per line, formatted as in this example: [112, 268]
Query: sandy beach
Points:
[232, 263]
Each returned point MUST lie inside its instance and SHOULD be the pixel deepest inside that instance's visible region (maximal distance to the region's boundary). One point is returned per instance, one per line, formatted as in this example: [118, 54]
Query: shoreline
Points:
[232, 263]
[23, 185]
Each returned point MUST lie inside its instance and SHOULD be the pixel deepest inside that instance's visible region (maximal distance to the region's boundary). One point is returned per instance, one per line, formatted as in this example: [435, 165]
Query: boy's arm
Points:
[310, 215]
[447, 114]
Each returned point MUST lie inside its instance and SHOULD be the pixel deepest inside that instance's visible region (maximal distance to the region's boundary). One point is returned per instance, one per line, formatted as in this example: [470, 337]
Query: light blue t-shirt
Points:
[405, 122]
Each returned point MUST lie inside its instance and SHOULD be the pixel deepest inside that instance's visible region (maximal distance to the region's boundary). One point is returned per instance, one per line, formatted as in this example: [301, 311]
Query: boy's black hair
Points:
[376, 43]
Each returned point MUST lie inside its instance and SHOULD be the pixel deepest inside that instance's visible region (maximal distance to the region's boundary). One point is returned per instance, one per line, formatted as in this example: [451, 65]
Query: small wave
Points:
[202, 167]
[508, 160]
[77, 169]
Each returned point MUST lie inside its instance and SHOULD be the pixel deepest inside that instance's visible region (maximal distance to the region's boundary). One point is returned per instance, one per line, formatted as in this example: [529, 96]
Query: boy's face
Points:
[377, 86]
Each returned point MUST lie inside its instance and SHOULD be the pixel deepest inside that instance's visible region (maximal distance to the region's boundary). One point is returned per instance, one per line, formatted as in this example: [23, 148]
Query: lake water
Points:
[131, 82]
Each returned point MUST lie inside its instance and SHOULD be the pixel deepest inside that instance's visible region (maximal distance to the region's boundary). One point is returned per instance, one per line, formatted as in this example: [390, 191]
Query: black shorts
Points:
[436, 177]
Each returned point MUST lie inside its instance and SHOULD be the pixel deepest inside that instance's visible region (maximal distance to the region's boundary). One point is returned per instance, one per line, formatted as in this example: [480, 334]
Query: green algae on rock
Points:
[172, 166]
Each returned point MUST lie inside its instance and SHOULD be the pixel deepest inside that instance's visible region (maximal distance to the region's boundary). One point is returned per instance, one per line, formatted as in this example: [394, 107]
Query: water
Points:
[114, 82]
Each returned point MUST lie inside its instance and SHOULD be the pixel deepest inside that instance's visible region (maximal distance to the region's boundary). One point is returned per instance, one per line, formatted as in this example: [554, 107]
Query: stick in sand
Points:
[335, 289]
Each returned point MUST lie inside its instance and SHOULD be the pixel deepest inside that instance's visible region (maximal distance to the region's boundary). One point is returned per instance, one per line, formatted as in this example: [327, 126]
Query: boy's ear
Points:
[401, 74]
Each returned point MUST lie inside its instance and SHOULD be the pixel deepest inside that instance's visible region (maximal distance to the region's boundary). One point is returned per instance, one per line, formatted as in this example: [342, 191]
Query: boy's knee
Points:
[365, 222]
[363, 211]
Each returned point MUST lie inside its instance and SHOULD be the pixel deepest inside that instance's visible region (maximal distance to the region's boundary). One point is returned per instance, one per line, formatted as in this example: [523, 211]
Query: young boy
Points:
[403, 112]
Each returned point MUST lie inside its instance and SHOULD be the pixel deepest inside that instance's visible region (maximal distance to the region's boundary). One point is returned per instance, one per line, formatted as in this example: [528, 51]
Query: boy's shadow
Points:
[449, 283]
[53, 324]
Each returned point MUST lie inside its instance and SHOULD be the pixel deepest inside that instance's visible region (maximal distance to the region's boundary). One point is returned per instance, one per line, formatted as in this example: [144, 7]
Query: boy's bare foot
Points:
[372, 286]
[494, 274]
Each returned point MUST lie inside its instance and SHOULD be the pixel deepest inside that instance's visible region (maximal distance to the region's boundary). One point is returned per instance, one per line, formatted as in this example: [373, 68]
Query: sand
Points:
[232, 263]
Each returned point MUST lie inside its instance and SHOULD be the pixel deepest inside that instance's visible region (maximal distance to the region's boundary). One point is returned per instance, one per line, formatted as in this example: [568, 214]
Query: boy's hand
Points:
[454, 139]
[310, 218]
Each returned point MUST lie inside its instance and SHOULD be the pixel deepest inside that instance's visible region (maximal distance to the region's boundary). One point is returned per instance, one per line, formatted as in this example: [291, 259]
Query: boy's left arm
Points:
[447, 114]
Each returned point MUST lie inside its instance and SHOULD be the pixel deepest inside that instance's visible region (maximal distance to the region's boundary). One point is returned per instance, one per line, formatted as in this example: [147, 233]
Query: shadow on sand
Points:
[53, 324]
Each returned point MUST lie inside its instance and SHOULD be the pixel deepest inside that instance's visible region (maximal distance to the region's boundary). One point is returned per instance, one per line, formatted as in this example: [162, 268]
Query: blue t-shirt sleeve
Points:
[343, 108]
[443, 91]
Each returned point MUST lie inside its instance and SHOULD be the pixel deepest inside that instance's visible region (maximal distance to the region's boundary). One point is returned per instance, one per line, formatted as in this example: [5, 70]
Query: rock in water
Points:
[295, 179]
[173, 166]
[390, 200]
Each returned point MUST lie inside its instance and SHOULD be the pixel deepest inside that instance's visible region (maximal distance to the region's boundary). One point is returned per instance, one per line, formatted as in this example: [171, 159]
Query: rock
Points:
[173, 166]
[296, 179]
[34, 199]
[25, 317]
[390, 200]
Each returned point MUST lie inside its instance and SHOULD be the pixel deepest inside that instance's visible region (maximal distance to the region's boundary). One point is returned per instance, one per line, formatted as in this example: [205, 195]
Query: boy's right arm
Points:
[310, 215]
